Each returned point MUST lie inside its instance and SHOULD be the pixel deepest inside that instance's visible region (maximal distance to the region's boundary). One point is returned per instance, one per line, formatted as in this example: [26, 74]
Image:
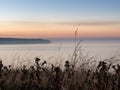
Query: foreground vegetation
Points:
[79, 72]
[42, 77]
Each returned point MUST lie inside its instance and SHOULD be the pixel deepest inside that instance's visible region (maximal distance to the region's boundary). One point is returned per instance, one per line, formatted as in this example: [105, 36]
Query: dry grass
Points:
[39, 77]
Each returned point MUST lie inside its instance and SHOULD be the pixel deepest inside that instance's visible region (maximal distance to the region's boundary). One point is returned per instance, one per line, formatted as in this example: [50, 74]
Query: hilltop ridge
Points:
[22, 41]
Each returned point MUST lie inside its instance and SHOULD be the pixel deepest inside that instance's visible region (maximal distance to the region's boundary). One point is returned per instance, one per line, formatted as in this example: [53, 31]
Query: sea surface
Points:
[57, 50]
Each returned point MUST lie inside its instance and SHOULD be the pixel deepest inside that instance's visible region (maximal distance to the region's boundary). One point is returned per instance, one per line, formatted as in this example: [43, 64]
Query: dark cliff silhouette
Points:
[23, 41]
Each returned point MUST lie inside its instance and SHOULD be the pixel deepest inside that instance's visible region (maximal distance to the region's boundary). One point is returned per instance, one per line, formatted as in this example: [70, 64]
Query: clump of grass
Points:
[39, 77]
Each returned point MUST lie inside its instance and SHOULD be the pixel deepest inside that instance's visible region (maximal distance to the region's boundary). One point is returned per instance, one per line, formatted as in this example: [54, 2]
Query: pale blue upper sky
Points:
[59, 10]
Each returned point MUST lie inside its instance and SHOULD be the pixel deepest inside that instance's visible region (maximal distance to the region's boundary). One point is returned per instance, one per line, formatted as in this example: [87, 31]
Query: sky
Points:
[60, 18]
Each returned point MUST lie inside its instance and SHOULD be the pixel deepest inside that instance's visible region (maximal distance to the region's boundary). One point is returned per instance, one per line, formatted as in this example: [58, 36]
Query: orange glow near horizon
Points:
[52, 30]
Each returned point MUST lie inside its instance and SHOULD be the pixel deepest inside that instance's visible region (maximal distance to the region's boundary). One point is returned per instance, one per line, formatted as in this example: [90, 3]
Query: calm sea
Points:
[57, 50]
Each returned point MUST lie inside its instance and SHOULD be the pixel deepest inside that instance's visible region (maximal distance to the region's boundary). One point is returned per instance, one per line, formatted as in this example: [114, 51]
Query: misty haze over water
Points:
[58, 48]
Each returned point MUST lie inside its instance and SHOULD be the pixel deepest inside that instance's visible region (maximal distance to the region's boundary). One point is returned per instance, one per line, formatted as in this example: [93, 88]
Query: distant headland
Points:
[23, 41]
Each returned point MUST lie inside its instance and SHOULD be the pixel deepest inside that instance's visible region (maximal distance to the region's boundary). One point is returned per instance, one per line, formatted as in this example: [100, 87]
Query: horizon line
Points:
[61, 38]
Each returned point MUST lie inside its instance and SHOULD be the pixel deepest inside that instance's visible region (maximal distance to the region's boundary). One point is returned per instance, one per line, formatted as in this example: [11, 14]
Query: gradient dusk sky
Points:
[59, 18]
